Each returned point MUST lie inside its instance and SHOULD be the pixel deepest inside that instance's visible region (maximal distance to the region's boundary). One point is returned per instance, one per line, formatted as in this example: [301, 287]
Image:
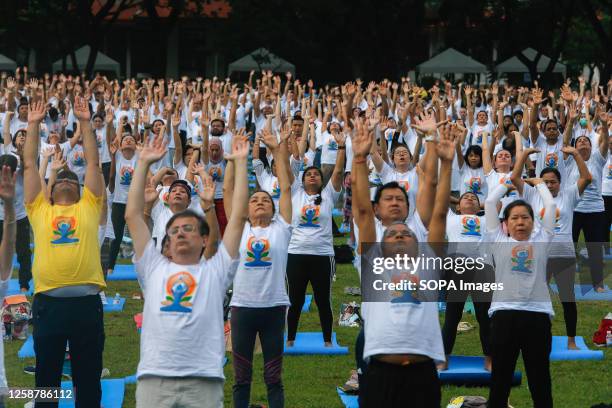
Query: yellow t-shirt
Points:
[66, 249]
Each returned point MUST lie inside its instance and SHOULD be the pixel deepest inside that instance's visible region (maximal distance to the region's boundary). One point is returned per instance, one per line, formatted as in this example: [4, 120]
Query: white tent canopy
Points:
[102, 63]
[513, 64]
[260, 59]
[7, 64]
[451, 61]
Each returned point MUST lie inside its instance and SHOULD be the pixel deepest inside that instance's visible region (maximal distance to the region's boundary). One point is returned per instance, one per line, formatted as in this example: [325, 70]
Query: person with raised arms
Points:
[67, 271]
[402, 338]
[259, 299]
[182, 343]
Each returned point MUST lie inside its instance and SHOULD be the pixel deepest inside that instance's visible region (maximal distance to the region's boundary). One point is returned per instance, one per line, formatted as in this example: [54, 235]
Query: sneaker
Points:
[464, 327]
[105, 373]
[31, 370]
[351, 386]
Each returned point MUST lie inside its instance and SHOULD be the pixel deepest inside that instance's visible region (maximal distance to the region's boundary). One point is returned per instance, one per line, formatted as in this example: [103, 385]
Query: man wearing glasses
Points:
[67, 272]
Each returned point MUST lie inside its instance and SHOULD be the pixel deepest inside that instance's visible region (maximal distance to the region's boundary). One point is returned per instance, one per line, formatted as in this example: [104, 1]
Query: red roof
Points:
[193, 8]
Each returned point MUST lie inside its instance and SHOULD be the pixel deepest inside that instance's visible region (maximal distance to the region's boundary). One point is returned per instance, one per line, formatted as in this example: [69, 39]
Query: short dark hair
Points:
[547, 121]
[202, 224]
[217, 120]
[9, 160]
[387, 186]
[477, 150]
[517, 203]
[298, 117]
[319, 198]
[551, 170]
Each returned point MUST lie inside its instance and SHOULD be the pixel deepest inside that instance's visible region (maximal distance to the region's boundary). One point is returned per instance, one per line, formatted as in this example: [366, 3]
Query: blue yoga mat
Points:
[349, 401]
[586, 292]
[27, 349]
[307, 302]
[111, 307]
[112, 393]
[312, 343]
[122, 272]
[14, 289]
[469, 370]
[559, 351]
[336, 212]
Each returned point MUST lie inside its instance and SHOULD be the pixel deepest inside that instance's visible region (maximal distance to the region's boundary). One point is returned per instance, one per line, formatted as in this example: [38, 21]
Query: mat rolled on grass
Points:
[307, 303]
[560, 352]
[111, 306]
[27, 348]
[312, 343]
[113, 391]
[349, 401]
[122, 272]
[14, 289]
[587, 293]
[469, 370]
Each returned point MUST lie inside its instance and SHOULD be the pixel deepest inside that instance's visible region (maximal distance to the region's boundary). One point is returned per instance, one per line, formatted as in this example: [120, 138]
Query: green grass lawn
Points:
[310, 381]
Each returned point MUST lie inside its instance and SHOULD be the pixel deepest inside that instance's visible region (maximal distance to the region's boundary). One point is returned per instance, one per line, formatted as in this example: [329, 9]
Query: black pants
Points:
[395, 386]
[24, 253]
[361, 364]
[78, 322]
[106, 167]
[564, 271]
[593, 225]
[608, 204]
[118, 220]
[246, 323]
[455, 303]
[514, 331]
[319, 271]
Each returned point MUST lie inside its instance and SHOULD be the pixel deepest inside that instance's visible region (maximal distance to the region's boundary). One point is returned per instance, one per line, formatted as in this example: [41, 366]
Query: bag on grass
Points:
[349, 315]
[343, 254]
[16, 314]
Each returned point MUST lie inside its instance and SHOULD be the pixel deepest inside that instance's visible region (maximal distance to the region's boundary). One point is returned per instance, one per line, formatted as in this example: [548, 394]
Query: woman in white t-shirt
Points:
[122, 169]
[259, 300]
[562, 257]
[464, 231]
[471, 172]
[521, 309]
[606, 189]
[499, 170]
[311, 250]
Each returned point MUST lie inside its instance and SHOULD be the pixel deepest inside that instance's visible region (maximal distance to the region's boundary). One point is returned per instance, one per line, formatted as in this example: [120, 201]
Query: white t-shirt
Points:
[76, 161]
[566, 201]
[493, 179]
[17, 125]
[476, 134]
[217, 172]
[124, 172]
[592, 200]
[102, 145]
[550, 156]
[3, 290]
[402, 327]
[409, 181]
[606, 184]
[329, 148]
[521, 267]
[182, 328]
[160, 214]
[464, 228]
[267, 181]
[65, 147]
[312, 231]
[473, 181]
[260, 278]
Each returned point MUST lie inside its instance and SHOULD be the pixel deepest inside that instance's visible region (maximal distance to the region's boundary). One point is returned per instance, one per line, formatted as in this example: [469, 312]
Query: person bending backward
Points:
[182, 343]
[402, 338]
[259, 300]
[7, 249]
[464, 231]
[521, 312]
[562, 258]
[589, 214]
[67, 271]
[311, 249]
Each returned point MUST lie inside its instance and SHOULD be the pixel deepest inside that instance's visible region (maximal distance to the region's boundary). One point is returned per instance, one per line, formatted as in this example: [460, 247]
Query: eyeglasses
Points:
[184, 228]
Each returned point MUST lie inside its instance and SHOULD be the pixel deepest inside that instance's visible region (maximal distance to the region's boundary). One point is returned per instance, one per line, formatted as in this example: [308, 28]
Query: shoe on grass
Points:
[31, 370]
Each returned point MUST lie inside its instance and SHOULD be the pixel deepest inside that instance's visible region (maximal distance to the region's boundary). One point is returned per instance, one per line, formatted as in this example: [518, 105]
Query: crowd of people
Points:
[170, 159]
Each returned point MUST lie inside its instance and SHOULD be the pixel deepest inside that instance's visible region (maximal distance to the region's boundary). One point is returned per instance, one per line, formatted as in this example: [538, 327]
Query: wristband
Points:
[209, 208]
[360, 160]
[341, 147]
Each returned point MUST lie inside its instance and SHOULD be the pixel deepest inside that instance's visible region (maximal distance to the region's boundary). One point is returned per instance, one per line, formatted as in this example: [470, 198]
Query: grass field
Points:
[310, 381]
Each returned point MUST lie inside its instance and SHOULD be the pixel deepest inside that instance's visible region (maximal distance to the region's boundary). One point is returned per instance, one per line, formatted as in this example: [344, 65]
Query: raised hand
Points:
[240, 149]
[468, 90]
[150, 193]
[58, 161]
[7, 184]
[207, 192]
[269, 139]
[569, 150]
[36, 112]
[537, 94]
[150, 153]
[81, 109]
[445, 147]
[362, 139]
[426, 123]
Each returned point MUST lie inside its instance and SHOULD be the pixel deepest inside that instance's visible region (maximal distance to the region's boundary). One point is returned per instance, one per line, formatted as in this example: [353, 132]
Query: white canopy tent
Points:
[513, 64]
[7, 64]
[102, 63]
[451, 61]
[261, 59]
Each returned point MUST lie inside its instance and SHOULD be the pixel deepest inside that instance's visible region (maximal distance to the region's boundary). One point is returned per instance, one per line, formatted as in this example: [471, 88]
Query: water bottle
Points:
[609, 338]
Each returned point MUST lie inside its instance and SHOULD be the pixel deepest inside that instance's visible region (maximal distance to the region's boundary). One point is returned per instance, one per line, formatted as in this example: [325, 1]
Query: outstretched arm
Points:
[235, 225]
[90, 148]
[445, 150]
[491, 213]
[31, 180]
[9, 227]
[584, 175]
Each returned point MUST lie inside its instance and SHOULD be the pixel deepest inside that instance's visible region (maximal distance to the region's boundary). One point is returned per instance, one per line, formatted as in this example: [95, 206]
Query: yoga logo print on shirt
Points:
[216, 172]
[404, 184]
[258, 251]
[179, 291]
[64, 228]
[164, 198]
[275, 190]
[78, 159]
[522, 258]
[474, 185]
[331, 144]
[405, 296]
[125, 175]
[557, 218]
[508, 182]
[470, 225]
[609, 177]
[310, 216]
[551, 160]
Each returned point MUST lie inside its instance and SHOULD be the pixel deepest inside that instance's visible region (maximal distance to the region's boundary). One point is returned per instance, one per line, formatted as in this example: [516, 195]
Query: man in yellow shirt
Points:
[67, 272]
